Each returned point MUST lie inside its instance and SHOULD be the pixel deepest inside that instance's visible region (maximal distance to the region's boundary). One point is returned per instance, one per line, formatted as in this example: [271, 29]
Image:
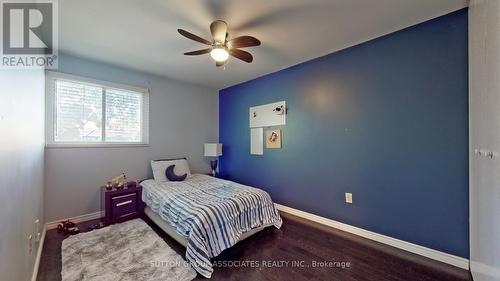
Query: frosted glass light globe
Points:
[219, 54]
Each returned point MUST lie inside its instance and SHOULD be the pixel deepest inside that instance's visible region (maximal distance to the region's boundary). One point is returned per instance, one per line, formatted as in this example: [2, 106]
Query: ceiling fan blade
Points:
[198, 52]
[220, 63]
[243, 41]
[218, 29]
[191, 36]
[240, 54]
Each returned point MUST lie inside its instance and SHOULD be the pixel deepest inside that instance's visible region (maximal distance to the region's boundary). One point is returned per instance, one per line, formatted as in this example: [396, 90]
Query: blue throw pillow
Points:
[171, 176]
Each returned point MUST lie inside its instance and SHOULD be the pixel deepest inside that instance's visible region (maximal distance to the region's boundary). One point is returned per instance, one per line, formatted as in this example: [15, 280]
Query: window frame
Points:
[50, 118]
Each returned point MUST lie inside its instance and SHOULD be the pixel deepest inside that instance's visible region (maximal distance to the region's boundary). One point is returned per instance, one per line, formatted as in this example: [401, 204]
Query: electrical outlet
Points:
[348, 197]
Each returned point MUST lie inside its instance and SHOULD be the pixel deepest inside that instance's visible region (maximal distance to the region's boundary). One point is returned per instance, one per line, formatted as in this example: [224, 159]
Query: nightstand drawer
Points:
[123, 205]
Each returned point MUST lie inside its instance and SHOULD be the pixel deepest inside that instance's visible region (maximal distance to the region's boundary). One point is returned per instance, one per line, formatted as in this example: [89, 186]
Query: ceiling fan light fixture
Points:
[220, 48]
[219, 54]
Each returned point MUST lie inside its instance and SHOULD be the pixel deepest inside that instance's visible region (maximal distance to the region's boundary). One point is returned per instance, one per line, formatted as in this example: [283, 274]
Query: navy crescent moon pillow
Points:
[171, 176]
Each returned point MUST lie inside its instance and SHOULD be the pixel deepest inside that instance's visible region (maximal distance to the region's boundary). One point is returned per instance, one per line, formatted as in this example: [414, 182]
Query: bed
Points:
[207, 215]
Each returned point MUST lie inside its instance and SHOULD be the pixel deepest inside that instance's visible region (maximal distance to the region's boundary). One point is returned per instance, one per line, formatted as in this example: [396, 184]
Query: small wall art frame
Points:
[271, 114]
[273, 138]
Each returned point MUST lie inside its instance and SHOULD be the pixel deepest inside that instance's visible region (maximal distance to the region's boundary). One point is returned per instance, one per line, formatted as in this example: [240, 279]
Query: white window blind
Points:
[78, 112]
[123, 116]
[83, 112]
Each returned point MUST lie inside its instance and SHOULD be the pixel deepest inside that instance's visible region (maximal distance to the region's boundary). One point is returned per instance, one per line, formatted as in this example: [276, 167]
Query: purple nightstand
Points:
[121, 204]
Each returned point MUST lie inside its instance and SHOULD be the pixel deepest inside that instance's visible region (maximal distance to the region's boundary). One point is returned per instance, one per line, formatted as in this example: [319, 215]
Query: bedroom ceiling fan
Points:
[220, 47]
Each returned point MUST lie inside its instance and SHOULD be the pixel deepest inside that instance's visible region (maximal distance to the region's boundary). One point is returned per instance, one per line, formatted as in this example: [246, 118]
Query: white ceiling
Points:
[142, 35]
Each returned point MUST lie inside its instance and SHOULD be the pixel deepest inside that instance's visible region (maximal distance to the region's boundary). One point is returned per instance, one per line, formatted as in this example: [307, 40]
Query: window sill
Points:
[94, 145]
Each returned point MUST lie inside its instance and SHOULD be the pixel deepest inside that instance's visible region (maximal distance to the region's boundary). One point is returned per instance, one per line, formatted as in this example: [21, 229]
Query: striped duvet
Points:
[211, 213]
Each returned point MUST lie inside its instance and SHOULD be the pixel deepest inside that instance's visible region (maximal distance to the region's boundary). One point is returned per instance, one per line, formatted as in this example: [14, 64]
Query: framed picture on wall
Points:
[273, 138]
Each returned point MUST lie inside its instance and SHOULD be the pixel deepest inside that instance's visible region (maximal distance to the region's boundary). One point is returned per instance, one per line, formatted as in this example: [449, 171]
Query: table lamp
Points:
[213, 150]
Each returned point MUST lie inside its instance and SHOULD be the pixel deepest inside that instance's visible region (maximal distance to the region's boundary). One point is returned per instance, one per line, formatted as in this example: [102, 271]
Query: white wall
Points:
[182, 118]
[484, 116]
[21, 169]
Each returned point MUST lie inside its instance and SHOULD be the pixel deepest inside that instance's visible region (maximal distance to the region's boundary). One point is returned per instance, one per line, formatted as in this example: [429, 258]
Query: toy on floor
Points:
[67, 227]
[96, 226]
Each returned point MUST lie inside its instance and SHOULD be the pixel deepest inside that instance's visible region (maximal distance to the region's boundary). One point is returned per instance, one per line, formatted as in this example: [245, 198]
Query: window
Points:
[85, 112]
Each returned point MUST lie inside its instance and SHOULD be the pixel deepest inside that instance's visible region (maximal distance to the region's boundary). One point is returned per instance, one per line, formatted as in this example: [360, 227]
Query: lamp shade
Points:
[213, 149]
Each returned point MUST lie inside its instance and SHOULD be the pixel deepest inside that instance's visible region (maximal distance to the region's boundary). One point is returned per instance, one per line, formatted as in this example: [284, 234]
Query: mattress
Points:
[173, 233]
[211, 213]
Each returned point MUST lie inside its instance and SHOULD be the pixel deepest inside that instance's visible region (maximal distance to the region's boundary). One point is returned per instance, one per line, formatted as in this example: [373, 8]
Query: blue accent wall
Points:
[386, 120]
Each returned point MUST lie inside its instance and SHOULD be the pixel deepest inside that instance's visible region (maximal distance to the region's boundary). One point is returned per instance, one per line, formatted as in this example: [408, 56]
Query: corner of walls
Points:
[182, 118]
[385, 120]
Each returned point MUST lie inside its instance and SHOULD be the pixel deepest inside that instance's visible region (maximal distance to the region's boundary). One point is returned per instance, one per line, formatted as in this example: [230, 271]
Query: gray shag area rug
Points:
[126, 251]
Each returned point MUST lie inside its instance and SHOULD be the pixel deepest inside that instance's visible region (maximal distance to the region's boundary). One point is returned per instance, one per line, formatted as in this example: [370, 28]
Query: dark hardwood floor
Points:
[302, 243]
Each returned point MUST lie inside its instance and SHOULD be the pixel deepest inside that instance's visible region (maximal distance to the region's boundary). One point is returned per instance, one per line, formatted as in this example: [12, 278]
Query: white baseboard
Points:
[38, 255]
[407, 246]
[77, 219]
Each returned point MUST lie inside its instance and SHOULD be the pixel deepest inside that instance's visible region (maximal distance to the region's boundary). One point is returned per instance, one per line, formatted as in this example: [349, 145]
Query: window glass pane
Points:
[78, 112]
[123, 116]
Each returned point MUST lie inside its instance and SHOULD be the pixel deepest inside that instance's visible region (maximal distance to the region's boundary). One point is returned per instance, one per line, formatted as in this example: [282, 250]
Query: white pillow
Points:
[160, 166]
